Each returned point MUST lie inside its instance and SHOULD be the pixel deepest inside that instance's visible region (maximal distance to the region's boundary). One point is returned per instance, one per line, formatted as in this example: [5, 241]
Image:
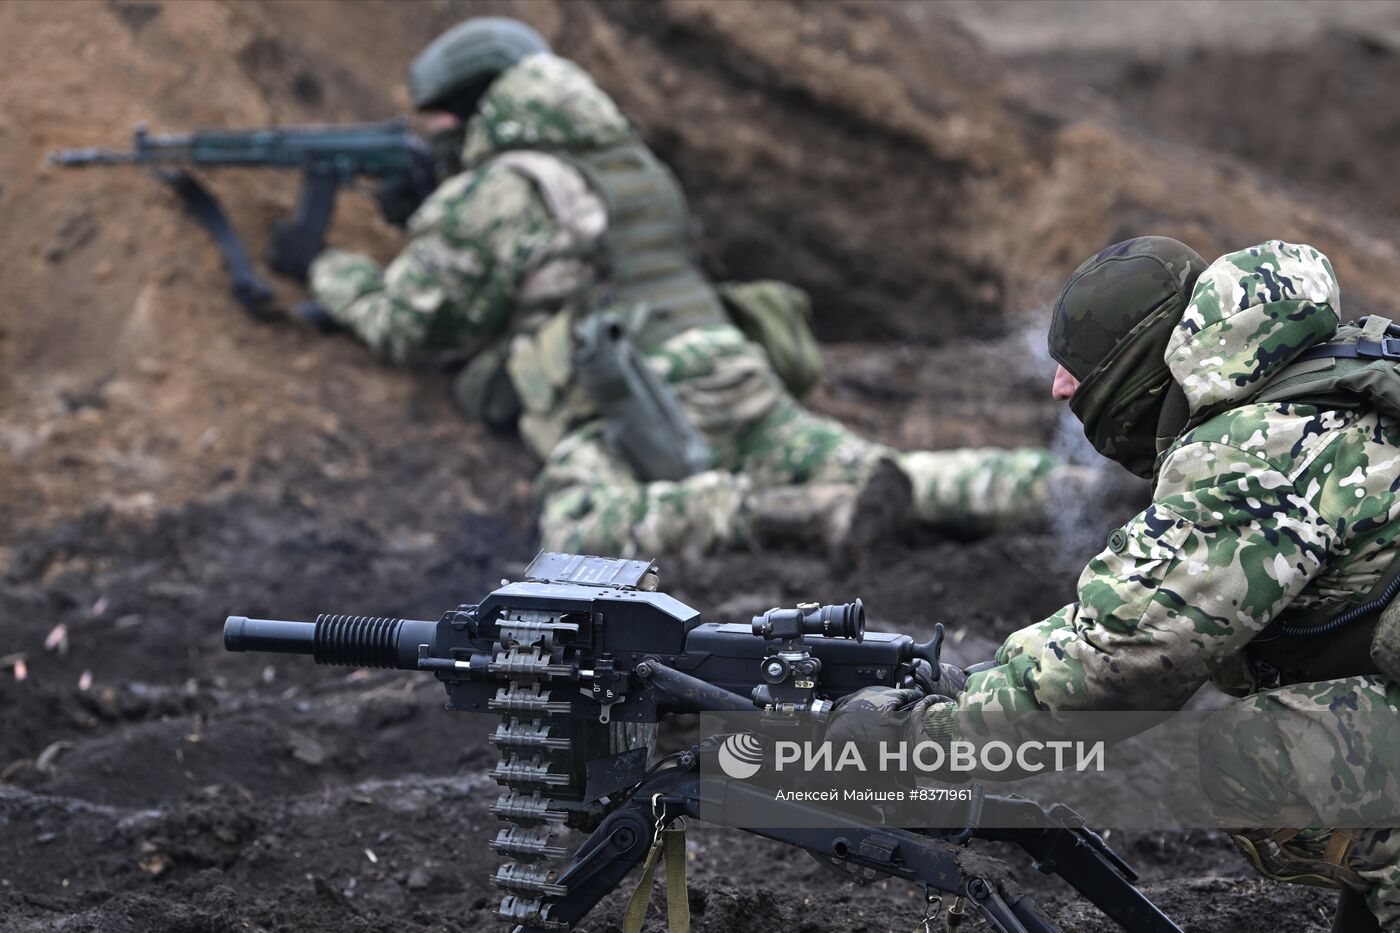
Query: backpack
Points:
[1358, 367]
[778, 317]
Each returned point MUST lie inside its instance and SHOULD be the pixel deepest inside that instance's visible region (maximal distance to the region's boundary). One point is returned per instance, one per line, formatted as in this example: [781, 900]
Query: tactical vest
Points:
[642, 268]
[577, 354]
[645, 287]
[648, 271]
[647, 264]
[1359, 367]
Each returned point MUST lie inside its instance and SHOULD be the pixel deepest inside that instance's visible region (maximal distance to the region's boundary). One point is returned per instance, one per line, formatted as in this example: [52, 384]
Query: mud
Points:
[165, 462]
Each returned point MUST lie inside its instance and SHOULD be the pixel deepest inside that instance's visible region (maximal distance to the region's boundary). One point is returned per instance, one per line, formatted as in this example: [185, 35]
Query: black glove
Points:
[950, 682]
[398, 198]
[873, 714]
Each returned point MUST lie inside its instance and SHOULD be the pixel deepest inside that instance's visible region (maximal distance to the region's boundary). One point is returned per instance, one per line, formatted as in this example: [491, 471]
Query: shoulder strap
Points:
[1378, 339]
[250, 289]
[1359, 366]
[1387, 348]
[576, 207]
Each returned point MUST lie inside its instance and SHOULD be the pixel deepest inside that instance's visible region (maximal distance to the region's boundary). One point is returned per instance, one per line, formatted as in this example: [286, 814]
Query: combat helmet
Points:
[1110, 329]
[456, 68]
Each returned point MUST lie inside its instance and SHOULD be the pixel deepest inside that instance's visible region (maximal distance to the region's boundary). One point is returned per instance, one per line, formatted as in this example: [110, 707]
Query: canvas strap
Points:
[670, 844]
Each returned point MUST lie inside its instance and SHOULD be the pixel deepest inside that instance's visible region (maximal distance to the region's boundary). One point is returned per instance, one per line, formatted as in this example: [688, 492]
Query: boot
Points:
[812, 515]
[843, 519]
[883, 511]
[1292, 856]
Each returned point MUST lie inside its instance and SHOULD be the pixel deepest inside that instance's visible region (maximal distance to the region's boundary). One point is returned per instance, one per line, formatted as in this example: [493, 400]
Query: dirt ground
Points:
[165, 461]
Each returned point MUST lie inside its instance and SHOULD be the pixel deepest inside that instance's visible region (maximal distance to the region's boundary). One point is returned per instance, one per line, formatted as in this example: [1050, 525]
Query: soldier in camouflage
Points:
[560, 212]
[1268, 517]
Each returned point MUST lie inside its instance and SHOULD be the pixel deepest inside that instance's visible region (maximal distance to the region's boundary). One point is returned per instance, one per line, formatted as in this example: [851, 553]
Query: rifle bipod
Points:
[931, 858]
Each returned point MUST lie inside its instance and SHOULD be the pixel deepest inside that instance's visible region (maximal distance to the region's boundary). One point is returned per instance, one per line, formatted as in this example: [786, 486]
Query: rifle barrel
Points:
[82, 157]
[358, 148]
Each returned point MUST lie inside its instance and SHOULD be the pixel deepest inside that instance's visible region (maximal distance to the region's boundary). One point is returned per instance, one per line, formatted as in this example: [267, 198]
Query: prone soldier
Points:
[556, 261]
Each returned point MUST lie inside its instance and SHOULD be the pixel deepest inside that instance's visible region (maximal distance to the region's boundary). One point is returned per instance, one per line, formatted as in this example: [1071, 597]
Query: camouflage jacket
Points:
[505, 235]
[1260, 511]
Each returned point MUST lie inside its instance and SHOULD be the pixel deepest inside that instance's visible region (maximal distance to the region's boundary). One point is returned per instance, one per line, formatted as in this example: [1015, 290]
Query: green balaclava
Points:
[1110, 330]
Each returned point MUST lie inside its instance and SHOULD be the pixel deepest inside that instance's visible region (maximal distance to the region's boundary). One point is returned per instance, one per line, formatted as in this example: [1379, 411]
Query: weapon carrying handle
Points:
[931, 650]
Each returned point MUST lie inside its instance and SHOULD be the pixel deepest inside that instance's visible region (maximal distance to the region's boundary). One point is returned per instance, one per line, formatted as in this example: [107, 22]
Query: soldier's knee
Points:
[1246, 762]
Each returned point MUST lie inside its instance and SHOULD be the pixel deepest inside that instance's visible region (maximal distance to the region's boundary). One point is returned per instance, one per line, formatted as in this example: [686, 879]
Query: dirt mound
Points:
[165, 461]
[1284, 120]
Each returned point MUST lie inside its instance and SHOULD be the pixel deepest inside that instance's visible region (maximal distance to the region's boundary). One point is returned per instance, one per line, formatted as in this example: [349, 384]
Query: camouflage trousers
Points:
[1317, 767]
[761, 438]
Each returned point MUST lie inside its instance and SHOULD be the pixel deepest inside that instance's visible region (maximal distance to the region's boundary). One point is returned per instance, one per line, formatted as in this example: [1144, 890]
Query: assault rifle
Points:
[328, 157]
[581, 660]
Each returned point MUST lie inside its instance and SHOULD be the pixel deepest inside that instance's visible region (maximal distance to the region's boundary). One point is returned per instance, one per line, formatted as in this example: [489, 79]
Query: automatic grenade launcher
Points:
[582, 658]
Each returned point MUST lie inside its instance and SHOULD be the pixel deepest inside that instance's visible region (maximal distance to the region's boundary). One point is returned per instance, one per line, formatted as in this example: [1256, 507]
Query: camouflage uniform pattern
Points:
[1113, 292]
[761, 438]
[543, 103]
[1308, 756]
[483, 234]
[1261, 511]
[477, 243]
[497, 254]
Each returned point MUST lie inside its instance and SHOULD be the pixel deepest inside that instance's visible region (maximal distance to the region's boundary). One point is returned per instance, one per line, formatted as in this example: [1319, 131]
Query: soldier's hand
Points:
[878, 713]
[398, 198]
[950, 682]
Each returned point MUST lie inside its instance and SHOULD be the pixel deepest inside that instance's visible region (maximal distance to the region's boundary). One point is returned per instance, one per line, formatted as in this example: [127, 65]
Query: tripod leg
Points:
[1353, 916]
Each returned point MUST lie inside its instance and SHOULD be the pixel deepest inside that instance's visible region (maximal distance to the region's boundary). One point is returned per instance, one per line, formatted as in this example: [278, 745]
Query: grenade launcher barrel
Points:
[352, 641]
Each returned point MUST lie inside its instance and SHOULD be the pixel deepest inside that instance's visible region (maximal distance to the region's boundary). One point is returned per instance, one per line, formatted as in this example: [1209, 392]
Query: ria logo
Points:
[741, 756]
